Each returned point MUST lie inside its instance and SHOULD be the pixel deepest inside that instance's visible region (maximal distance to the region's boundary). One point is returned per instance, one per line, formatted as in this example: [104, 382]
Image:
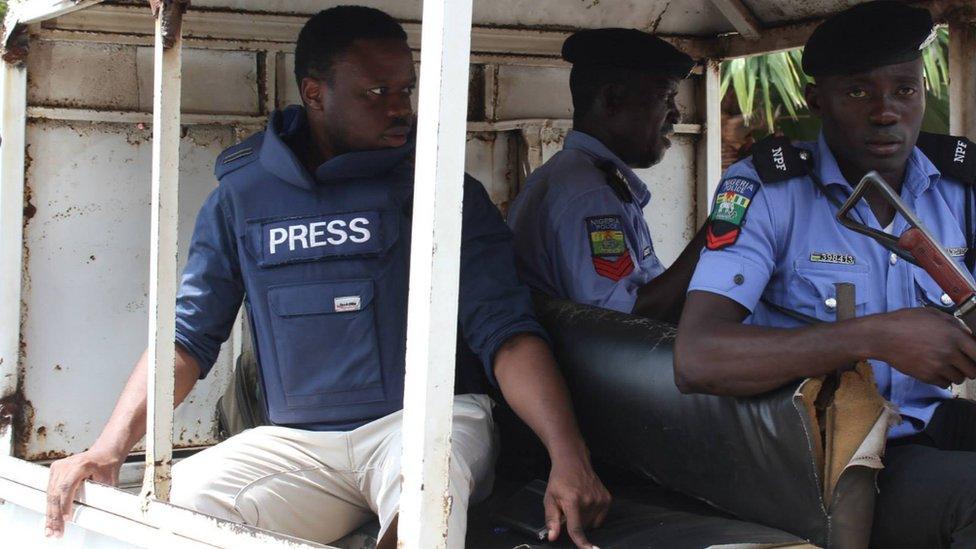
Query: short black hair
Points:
[585, 81]
[331, 32]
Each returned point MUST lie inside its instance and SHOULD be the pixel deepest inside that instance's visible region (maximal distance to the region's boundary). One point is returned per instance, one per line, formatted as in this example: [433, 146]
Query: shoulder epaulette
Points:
[238, 156]
[954, 156]
[616, 180]
[776, 159]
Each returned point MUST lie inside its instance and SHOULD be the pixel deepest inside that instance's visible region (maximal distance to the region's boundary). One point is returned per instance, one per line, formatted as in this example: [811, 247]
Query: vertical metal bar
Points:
[167, 64]
[13, 132]
[962, 79]
[434, 265]
[962, 109]
[710, 144]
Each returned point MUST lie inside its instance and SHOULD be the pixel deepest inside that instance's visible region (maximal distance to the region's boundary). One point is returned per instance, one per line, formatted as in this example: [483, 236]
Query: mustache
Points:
[401, 122]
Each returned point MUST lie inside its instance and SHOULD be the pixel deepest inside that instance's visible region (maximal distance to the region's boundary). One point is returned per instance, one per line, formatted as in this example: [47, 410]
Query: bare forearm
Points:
[664, 297]
[536, 391]
[127, 423]
[730, 358]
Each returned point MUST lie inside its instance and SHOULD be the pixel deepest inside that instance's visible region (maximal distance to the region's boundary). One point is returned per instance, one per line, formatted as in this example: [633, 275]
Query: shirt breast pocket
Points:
[928, 292]
[814, 292]
[326, 343]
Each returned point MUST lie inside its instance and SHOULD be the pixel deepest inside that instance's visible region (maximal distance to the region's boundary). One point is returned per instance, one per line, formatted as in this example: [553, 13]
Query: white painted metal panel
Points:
[106, 76]
[287, 85]
[778, 12]
[684, 17]
[87, 276]
[488, 159]
[671, 212]
[69, 74]
[214, 82]
[404, 9]
[533, 92]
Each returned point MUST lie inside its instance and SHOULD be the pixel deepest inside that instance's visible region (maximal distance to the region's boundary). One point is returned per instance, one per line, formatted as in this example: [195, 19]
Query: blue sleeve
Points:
[211, 289]
[742, 270]
[573, 257]
[493, 304]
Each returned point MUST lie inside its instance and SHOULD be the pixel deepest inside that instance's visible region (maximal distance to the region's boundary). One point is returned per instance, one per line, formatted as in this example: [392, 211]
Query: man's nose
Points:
[400, 105]
[883, 112]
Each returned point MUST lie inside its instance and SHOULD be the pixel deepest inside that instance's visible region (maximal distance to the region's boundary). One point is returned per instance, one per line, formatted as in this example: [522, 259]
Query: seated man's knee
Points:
[202, 489]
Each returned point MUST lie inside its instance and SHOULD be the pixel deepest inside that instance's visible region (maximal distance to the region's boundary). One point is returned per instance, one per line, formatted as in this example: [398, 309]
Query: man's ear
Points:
[812, 95]
[313, 92]
[611, 98]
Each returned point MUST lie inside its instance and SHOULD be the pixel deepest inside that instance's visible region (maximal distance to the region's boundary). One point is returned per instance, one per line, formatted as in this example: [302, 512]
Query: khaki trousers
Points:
[321, 486]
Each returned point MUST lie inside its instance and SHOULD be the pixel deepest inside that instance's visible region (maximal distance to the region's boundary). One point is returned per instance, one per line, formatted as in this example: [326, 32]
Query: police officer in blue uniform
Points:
[579, 226]
[310, 229]
[762, 309]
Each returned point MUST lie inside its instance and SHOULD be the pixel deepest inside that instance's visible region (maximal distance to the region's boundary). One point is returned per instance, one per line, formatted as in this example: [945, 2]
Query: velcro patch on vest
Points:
[955, 157]
[608, 247]
[318, 237]
[776, 159]
[732, 202]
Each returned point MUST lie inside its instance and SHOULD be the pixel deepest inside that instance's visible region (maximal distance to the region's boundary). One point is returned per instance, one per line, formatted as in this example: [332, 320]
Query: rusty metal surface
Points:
[85, 282]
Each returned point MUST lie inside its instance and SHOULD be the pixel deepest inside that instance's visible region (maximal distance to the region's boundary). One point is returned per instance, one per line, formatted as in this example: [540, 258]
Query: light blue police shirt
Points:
[575, 238]
[791, 251]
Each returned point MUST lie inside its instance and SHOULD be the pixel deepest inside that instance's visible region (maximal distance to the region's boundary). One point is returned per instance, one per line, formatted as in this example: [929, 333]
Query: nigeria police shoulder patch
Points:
[732, 201]
[608, 247]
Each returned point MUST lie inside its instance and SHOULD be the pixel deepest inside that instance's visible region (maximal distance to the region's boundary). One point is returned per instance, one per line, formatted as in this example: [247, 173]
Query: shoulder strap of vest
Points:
[954, 156]
[615, 180]
[776, 159]
[238, 156]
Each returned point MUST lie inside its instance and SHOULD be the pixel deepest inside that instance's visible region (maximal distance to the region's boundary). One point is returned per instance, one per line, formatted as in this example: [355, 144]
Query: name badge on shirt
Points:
[831, 257]
[317, 237]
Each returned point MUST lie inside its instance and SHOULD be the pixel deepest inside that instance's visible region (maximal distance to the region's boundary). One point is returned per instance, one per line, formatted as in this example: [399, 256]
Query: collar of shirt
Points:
[919, 175]
[576, 139]
[278, 158]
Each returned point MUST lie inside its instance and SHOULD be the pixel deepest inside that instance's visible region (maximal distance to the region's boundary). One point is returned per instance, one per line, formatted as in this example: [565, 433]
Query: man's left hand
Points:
[575, 496]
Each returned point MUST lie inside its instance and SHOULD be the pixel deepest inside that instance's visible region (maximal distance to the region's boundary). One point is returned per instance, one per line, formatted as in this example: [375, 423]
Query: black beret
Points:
[869, 35]
[626, 48]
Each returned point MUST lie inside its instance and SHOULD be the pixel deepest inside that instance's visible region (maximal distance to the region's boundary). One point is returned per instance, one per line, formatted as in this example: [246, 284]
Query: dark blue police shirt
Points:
[323, 263]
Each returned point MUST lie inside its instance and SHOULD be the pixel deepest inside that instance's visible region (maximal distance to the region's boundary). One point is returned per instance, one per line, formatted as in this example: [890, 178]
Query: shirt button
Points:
[738, 279]
[893, 258]
[831, 303]
[946, 300]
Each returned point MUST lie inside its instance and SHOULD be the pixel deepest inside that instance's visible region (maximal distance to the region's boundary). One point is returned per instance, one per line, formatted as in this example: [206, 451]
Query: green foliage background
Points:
[769, 91]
